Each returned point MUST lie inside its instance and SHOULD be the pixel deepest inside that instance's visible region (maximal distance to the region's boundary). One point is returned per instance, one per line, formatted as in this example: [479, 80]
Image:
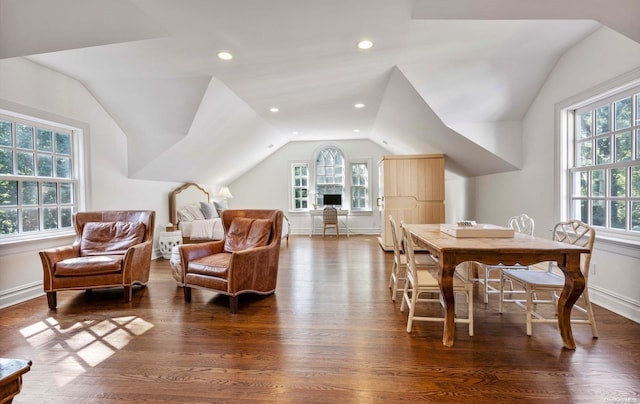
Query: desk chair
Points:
[329, 219]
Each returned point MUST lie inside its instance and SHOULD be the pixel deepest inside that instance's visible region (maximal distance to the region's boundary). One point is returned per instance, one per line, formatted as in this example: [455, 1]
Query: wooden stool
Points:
[11, 371]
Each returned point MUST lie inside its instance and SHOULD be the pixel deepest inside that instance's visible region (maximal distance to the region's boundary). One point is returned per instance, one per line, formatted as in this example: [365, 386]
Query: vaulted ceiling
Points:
[450, 76]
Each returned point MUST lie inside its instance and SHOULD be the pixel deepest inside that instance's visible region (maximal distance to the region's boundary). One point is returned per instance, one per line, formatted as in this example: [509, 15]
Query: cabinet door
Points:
[413, 192]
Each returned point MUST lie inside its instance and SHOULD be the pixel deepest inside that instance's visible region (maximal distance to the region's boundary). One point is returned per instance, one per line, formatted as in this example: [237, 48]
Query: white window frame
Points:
[342, 186]
[40, 119]
[293, 187]
[367, 164]
[565, 118]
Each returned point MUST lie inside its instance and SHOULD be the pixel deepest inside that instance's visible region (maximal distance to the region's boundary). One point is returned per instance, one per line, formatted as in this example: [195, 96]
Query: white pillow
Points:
[195, 211]
[209, 210]
[184, 215]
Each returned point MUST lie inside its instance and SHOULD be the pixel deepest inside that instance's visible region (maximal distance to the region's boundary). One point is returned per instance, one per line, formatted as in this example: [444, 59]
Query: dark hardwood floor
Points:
[330, 334]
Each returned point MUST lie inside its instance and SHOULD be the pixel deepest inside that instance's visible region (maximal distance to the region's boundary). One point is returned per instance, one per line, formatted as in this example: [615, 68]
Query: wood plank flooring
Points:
[330, 334]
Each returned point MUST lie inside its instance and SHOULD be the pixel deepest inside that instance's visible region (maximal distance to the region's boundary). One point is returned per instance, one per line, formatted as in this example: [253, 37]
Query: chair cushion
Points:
[108, 238]
[92, 265]
[212, 265]
[246, 233]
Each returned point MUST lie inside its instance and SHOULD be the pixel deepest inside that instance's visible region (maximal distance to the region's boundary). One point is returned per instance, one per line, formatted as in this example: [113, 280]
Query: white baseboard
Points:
[618, 304]
[20, 294]
[352, 231]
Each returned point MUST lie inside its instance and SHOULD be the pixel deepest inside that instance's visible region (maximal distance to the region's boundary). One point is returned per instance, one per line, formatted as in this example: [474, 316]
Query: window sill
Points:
[24, 244]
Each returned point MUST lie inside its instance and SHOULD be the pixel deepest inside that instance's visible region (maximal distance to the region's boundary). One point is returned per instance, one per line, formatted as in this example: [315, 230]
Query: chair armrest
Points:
[254, 269]
[137, 263]
[49, 258]
[190, 252]
[53, 255]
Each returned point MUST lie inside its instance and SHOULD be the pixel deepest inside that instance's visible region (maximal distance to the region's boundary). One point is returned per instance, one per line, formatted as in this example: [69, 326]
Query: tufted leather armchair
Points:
[112, 248]
[245, 261]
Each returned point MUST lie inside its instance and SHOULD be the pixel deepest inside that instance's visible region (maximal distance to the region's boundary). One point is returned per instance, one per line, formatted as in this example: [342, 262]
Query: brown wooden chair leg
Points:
[52, 300]
[128, 293]
[187, 293]
[233, 304]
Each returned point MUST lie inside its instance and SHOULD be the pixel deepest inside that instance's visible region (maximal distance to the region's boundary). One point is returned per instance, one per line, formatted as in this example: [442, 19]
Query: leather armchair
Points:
[111, 249]
[245, 261]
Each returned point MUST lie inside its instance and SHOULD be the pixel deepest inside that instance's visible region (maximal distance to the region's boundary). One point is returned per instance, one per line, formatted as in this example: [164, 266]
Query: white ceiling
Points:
[189, 116]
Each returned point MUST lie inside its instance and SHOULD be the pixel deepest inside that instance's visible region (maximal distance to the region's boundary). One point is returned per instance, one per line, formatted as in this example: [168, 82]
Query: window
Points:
[328, 175]
[300, 186]
[604, 163]
[359, 186]
[330, 169]
[38, 177]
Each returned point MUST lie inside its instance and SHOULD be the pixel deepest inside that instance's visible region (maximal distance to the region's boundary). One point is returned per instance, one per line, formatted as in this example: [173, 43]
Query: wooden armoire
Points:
[411, 190]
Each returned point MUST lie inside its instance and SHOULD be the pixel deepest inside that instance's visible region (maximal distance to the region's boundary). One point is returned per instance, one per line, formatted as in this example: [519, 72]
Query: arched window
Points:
[330, 172]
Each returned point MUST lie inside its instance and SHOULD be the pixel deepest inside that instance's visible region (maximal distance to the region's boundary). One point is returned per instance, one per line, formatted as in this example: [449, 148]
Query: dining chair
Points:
[521, 224]
[551, 279]
[330, 219]
[419, 281]
[399, 268]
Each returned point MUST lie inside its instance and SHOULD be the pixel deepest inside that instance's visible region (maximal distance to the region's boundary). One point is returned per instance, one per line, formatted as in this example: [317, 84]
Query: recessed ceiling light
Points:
[225, 55]
[295, 132]
[274, 109]
[365, 44]
[359, 105]
[356, 130]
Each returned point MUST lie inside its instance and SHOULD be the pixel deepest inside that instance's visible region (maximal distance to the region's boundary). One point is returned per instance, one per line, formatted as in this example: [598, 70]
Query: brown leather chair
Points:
[112, 248]
[246, 261]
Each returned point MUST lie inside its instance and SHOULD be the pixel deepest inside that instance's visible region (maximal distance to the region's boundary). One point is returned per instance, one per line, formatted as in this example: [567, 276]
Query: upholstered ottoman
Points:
[176, 265]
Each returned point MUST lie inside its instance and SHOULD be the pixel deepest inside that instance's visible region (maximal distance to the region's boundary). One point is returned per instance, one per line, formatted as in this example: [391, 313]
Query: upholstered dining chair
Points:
[550, 278]
[330, 219]
[245, 261]
[419, 281]
[111, 249]
[399, 268]
[522, 224]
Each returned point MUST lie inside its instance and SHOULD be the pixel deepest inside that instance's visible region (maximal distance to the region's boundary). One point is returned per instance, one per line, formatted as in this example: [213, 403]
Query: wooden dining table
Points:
[519, 249]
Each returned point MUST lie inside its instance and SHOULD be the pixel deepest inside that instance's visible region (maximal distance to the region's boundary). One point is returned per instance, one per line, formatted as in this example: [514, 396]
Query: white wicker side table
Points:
[176, 265]
[168, 240]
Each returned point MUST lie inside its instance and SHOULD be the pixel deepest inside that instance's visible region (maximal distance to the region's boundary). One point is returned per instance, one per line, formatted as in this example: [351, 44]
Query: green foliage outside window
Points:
[32, 160]
[606, 173]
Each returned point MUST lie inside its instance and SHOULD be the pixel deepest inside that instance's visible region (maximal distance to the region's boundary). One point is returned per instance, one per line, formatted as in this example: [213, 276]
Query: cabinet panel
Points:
[412, 191]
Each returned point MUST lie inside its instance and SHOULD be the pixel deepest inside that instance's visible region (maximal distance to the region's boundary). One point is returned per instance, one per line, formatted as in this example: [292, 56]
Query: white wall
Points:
[601, 57]
[267, 184]
[35, 89]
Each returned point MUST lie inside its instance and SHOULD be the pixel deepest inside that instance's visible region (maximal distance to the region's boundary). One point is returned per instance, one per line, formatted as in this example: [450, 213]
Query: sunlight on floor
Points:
[83, 344]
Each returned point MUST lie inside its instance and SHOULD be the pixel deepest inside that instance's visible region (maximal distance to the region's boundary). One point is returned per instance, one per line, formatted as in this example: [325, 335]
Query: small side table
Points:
[11, 371]
[168, 240]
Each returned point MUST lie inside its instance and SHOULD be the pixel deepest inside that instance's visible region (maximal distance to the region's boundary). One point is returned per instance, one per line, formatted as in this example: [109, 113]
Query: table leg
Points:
[574, 284]
[447, 269]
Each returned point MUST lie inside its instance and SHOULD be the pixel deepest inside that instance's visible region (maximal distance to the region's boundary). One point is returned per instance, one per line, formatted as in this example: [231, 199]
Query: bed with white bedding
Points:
[198, 217]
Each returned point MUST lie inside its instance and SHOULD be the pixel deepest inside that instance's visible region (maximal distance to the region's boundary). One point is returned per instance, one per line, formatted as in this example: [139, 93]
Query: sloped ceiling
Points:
[444, 76]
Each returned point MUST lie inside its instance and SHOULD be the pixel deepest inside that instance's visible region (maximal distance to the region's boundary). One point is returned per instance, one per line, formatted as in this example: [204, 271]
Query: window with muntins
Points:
[359, 186]
[604, 163]
[38, 178]
[327, 174]
[330, 171]
[300, 186]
